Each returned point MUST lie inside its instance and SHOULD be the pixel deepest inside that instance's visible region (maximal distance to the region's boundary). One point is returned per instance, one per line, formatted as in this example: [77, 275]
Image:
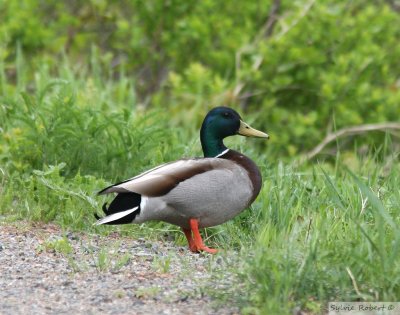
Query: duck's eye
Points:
[226, 115]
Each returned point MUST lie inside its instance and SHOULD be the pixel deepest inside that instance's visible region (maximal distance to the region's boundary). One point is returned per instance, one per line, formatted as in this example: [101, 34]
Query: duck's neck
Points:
[212, 145]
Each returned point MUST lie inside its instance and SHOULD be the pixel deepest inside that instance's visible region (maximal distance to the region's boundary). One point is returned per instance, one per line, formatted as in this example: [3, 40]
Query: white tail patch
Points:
[115, 216]
[143, 202]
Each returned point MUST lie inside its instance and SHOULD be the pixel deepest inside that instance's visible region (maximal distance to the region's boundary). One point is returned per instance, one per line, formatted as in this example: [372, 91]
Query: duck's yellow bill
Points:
[246, 130]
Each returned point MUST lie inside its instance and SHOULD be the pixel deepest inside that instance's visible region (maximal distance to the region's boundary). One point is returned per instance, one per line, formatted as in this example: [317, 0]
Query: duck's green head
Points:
[222, 122]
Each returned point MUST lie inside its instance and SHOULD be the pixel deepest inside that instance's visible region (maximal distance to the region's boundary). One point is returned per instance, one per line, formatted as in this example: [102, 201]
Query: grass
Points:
[317, 233]
[325, 237]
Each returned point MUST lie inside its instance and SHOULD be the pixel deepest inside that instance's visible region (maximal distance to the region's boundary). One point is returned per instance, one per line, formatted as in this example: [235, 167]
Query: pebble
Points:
[158, 277]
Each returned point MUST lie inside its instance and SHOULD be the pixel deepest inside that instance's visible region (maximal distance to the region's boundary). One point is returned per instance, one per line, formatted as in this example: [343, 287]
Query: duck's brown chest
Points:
[251, 168]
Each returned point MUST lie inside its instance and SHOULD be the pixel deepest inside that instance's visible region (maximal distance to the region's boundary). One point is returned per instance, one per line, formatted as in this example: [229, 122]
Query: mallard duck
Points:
[192, 193]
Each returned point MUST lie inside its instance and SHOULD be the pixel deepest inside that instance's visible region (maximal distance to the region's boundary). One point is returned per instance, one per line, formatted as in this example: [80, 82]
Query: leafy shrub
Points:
[323, 65]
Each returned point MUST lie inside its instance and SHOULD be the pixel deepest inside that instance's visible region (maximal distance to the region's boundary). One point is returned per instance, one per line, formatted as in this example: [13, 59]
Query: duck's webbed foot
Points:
[195, 241]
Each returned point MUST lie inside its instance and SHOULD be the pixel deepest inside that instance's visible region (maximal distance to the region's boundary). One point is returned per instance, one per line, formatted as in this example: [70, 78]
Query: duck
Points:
[192, 193]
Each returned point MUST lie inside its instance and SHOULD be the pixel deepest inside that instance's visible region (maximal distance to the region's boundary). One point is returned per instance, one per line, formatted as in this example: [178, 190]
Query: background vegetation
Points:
[95, 92]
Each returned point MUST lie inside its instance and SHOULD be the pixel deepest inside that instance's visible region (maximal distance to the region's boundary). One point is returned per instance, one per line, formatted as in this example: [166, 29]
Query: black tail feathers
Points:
[122, 202]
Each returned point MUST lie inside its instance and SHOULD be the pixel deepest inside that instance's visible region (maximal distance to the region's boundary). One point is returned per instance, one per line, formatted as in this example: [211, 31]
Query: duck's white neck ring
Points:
[222, 153]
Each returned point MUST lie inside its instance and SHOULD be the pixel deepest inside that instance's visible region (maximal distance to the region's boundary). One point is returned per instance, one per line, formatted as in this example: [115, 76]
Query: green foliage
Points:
[48, 196]
[325, 238]
[61, 246]
[317, 74]
[324, 64]
[62, 123]
[103, 260]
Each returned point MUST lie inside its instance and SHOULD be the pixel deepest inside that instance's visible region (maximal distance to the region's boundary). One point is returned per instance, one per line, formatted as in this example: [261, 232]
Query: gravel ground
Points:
[46, 271]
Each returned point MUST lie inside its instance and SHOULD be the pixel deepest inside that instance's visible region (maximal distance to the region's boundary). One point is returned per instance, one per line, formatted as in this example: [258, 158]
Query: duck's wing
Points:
[162, 179]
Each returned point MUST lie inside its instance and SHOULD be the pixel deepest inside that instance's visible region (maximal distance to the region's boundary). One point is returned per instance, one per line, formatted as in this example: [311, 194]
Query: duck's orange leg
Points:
[197, 240]
[188, 234]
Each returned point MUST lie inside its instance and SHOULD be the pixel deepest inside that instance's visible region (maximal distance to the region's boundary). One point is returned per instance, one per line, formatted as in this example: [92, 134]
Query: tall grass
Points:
[67, 133]
[325, 237]
[93, 126]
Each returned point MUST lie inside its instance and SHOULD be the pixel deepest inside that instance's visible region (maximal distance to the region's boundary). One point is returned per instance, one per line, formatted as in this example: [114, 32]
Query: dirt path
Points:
[44, 271]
